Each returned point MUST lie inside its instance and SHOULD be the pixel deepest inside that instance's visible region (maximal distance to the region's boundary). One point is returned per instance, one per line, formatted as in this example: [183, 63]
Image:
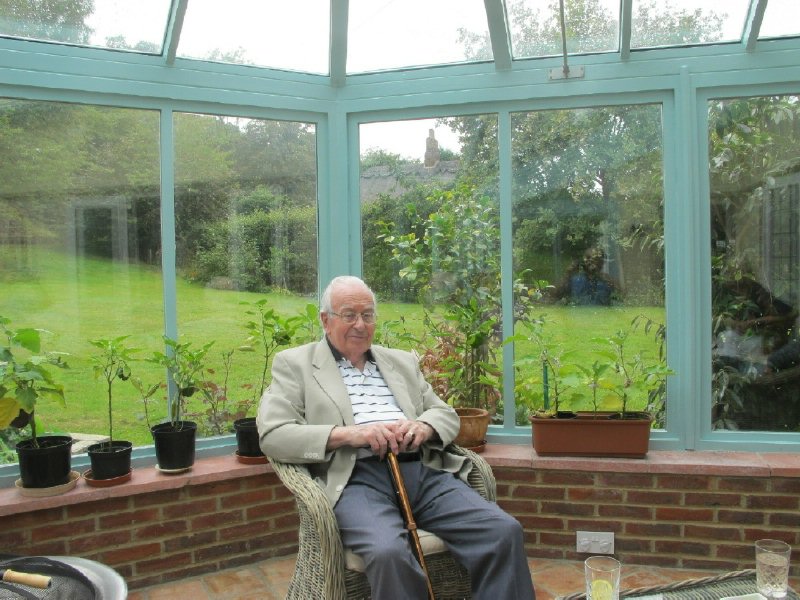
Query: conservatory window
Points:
[102, 24]
[431, 248]
[265, 34]
[755, 268]
[588, 253]
[386, 35]
[678, 22]
[80, 247]
[780, 18]
[246, 242]
[536, 30]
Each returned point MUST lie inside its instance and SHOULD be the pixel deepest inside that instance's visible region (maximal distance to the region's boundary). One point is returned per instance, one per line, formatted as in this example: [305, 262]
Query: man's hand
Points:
[379, 437]
[400, 436]
[410, 435]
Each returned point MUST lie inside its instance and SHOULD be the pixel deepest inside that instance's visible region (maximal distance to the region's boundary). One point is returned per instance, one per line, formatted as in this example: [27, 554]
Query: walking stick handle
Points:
[408, 516]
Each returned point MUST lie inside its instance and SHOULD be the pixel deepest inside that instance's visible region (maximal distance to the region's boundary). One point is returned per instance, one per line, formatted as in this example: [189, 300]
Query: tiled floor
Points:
[268, 580]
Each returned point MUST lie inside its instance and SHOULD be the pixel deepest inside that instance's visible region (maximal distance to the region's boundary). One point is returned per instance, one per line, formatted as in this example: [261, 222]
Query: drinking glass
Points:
[602, 578]
[772, 568]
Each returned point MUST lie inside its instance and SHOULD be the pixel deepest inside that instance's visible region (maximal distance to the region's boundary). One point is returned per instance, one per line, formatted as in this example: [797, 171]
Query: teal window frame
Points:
[681, 80]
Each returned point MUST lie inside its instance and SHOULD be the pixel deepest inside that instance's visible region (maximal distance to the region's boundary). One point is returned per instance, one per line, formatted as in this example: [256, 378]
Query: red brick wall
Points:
[159, 528]
[669, 520]
[165, 534]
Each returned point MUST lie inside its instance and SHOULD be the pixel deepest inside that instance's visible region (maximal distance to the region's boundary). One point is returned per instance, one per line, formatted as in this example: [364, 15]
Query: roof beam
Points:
[625, 15]
[338, 45]
[499, 33]
[752, 26]
[174, 27]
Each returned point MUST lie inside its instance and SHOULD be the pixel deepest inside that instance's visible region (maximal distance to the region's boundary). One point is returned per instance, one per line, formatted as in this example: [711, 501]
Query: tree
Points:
[582, 177]
[280, 153]
[659, 23]
[455, 265]
[57, 20]
[753, 166]
[589, 27]
[204, 178]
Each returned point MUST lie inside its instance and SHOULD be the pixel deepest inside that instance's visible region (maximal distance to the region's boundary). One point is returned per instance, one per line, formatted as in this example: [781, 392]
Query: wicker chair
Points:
[325, 571]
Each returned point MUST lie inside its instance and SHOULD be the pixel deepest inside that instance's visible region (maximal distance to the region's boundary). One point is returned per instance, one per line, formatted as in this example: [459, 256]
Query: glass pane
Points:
[266, 34]
[588, 255]
[80, 250]
[536, 27]
[683, 22]
[780, 18]
[755, 235]
[103, 23]
[385, 34]
[430, 229]
[246, 229]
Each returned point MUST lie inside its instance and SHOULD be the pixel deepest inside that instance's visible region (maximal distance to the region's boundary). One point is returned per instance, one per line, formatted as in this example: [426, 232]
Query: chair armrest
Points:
[319, 572]
[480, 478]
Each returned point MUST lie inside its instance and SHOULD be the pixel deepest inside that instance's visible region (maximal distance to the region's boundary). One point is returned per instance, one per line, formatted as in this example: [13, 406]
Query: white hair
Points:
[340, 281]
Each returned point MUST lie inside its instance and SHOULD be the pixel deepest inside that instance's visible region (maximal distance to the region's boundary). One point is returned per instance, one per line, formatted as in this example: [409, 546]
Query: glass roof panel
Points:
[591, 26]
[391, 34]
[102, 23]
[682, 22]
[782, 17]
[281, 35]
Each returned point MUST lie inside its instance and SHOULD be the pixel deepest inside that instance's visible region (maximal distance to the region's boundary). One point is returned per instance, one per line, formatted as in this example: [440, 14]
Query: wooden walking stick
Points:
[408, 517]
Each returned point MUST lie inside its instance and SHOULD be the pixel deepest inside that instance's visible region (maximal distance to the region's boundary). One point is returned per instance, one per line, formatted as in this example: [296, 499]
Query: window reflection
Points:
[536, 30]
[588, 252]
[246, 241]
[755, 236]
[103, 23]
[678, 23]
[430, 229]
[80, 248]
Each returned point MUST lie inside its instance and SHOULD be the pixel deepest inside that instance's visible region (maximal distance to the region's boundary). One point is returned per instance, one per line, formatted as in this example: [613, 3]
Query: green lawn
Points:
[86, 299]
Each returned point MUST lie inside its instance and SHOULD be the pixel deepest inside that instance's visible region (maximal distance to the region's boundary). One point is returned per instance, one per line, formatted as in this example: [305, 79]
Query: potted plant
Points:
[454, 368]
[267, 331]
[455, 268]
[111, 459]
[174, 438]
[612, 379]
[25, 378]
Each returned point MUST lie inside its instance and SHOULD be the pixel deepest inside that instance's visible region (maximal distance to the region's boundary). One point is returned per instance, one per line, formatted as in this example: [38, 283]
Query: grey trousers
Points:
[482, 537]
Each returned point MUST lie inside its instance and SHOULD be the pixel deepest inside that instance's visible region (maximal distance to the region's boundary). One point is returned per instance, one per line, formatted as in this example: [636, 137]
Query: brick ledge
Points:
[708, 462]
[221, 468]
[143, 480]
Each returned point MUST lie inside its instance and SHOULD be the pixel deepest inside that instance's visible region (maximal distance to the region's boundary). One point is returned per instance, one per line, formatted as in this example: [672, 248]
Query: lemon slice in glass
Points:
[602, 590]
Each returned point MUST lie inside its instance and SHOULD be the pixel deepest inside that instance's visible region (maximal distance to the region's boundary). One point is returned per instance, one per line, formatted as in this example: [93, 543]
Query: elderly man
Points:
[339, 405]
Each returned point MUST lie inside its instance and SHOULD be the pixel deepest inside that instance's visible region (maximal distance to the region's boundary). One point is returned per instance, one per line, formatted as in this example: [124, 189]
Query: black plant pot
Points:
[247, 437]
[48, 465]
[174, 445]
[110, 460]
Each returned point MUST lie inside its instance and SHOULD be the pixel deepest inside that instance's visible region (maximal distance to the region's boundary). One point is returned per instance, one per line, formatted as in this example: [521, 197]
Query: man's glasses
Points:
[351, 317]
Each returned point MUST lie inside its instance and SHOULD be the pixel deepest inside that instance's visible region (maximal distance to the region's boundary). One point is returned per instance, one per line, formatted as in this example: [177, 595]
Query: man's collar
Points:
[337, 356]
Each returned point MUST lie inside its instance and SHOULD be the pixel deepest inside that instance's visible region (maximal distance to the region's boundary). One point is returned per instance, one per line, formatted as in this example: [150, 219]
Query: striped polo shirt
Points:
[371, 398]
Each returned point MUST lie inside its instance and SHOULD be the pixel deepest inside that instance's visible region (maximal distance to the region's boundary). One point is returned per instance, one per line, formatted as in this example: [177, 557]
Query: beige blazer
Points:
[307, 398]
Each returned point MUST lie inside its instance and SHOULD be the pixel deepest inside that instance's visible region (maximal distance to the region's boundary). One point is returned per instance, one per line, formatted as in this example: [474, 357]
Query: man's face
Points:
[354, 339]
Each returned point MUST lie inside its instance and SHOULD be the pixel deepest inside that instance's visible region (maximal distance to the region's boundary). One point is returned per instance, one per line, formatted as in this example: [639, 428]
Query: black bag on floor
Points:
[66, 582]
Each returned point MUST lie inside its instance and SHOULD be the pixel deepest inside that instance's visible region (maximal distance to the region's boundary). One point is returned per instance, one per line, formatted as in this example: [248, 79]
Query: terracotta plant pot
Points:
[592, 434]
[474, 425]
